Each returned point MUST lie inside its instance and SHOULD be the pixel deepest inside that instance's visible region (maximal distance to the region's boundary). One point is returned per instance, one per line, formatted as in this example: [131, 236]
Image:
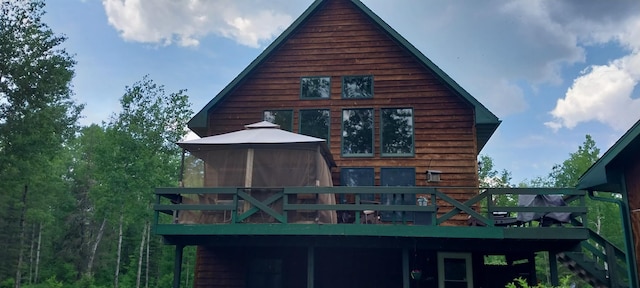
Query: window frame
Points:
[342, 87]
[455, 255]
[311, 77]
[288, 110]
[413, 135]
[300, 112]
[373, 132]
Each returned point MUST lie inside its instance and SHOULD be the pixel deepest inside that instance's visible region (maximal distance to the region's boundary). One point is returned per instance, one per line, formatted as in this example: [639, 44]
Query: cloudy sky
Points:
[552, 71]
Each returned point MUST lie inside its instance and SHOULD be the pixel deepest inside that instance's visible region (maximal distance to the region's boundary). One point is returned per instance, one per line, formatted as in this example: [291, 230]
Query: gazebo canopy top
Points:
[256, 135]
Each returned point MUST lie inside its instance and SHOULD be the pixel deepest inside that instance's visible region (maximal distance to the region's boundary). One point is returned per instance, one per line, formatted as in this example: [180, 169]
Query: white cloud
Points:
[166, 22]
[495, 49]
[603, 93]
[504, 98]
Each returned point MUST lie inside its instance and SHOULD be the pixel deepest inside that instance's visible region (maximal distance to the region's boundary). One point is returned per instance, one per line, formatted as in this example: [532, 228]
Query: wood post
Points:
[177, 266]
[553, 268]
[310, 266]
[405, 268]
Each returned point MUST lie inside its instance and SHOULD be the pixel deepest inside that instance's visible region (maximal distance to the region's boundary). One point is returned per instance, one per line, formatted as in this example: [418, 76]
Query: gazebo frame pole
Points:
[181, 176]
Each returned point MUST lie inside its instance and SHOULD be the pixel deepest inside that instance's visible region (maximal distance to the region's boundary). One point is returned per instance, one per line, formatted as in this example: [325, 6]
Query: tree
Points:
[489, 177]
[37, 117]
[140, 154]
[568, 173]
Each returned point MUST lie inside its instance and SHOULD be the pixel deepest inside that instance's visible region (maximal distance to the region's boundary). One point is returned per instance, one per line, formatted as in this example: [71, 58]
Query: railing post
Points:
[584, 217]
[234, 212]
[612, 265]
[489, 199]
[357, 213]
[285, 202]
[434, 215]
[156, 214]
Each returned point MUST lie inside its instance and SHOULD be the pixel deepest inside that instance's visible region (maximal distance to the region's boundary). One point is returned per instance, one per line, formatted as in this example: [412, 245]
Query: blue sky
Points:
[552, 71]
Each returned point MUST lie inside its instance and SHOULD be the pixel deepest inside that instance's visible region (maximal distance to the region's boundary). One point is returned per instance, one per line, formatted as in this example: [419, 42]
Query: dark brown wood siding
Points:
[219, 268]
[338, 41]
[230, 267]
[632, 176]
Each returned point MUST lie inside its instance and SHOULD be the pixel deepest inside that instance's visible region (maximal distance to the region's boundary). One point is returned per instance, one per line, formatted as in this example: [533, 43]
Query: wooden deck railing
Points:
[237, 206]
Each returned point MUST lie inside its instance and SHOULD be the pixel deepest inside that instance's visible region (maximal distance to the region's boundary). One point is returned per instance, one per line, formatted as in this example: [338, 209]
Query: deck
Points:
[389, 215]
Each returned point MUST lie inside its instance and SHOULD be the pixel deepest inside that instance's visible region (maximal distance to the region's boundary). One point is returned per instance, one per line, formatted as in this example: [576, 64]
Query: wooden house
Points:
[404, 138]
[618, 170]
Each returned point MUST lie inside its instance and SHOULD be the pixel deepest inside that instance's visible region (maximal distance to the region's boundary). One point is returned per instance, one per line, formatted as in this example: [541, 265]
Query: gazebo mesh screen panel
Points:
[263, 170]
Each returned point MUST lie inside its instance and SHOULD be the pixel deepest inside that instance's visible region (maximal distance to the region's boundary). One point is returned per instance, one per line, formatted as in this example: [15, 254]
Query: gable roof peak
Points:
[486, 122]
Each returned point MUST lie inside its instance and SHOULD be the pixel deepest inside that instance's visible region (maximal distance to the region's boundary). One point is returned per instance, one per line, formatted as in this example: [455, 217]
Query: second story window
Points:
[357, 132]
[396, 132]
[315, 122]
[315, 87]
[284, 118]
[357, 87]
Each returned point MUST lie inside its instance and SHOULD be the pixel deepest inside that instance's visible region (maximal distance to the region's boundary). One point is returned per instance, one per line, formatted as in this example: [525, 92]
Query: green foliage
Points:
[37, 118]
[568, 173]
[489, 177]
[565, 282]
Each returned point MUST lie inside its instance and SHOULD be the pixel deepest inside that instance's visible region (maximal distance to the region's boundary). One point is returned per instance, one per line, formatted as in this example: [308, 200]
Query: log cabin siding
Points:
[339, 41]
[632, 173]
[221, 268]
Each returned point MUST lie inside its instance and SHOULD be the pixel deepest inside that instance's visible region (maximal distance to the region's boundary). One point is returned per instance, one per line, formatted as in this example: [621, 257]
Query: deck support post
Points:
[533, 278]
[405, 268]
[310, 266]
[177, 266]
[553, 269]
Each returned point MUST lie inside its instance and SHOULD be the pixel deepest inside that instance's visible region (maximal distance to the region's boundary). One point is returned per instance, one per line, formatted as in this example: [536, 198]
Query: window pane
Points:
[397, 177]
[357, 132]
[397, 131]
[356, 177]
[315, 123]
[357, 87]
[455, 269]
[315, 87]
[265, 273]
[284, 118]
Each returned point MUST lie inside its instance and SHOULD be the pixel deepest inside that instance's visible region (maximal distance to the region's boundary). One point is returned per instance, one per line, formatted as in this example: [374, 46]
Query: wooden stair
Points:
[598, 263]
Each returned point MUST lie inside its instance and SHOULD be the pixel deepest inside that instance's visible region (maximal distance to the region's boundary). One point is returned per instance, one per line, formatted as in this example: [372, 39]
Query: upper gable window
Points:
[315, 87]
[284, 118]
[357, 87]
[357, 132]
[396, 132]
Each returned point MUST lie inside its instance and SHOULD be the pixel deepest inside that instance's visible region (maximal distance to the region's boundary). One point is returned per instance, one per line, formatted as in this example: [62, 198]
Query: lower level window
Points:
[265, 273]
[455, 270]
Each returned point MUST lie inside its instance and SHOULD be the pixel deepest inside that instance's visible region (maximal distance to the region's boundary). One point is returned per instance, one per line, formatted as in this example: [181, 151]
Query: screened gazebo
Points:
[261, 159]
